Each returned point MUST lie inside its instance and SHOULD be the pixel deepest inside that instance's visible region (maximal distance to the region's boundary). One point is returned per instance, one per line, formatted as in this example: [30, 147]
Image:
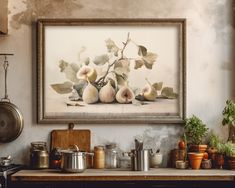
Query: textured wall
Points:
[210, 64]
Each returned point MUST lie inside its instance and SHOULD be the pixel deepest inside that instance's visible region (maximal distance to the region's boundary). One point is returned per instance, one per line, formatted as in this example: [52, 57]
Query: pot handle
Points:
[74, 147]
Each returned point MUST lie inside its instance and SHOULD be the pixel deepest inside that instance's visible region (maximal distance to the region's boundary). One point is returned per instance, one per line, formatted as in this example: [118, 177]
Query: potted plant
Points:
[195, 131]
[229, 119]
[230, 154]
[219, 157]
[212, 150]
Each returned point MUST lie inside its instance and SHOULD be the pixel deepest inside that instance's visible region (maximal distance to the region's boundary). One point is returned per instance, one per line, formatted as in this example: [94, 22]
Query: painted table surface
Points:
[160, 174]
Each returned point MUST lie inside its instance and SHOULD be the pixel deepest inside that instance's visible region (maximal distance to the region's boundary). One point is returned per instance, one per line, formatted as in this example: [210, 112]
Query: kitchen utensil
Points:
[11, 120]
[5, 161]
[74, 160]
[138, 144]
[63, 139]
[139, 159]
[143, 160]
[133, 155]
[39, 157]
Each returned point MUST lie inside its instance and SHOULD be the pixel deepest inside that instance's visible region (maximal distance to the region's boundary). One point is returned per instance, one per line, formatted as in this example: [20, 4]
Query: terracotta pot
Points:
[232, 158]
[195, 160]
[212, 154]
[206, 164]
[198, 148]
[219, 160]
[231, 165]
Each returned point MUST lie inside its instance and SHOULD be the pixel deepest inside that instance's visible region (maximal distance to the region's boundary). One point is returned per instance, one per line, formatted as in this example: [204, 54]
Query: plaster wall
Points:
[210, 65]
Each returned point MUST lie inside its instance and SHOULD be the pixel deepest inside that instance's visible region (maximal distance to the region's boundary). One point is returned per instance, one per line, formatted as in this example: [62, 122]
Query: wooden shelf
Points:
[161, 174]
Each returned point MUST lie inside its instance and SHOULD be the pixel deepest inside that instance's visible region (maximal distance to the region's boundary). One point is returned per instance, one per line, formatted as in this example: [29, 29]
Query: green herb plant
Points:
[195, 130]
[229, 113]
[229, 118]
[213, 140]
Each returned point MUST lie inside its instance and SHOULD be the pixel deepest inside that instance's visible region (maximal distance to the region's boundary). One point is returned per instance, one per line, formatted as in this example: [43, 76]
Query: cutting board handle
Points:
[70, 126]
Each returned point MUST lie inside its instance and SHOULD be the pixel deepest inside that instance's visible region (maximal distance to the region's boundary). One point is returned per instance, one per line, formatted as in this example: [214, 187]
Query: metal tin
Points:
[39, 156]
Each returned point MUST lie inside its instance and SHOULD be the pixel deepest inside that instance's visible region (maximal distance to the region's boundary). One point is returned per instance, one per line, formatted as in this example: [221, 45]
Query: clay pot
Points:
[219, 160]
[212, 154]
[231, 165]
[195, 160]
[198, 148]
[206, 164]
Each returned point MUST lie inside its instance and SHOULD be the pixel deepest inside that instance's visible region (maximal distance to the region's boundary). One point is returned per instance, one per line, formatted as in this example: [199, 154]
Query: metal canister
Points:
[133, 156]
[143, 159]
[39, 157]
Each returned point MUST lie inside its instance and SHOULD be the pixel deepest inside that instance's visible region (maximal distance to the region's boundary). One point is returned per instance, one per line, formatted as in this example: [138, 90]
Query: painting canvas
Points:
[111, 71]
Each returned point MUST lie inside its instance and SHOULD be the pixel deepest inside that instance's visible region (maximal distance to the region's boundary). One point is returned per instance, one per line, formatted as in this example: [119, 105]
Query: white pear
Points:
[107, 93]
[90, 94]
[87, 73]
[125, 95]
[149, 92]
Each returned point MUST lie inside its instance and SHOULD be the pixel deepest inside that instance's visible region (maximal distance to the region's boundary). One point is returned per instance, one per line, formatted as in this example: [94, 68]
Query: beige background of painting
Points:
[63, 42]
[210, 65]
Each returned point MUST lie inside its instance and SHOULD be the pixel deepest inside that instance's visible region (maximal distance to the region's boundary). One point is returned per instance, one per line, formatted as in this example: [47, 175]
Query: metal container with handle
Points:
[11, 120]
[73, 160]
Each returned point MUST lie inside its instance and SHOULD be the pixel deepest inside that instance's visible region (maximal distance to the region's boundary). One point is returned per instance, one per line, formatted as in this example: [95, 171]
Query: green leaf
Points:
[63, 88]
[101, 60]
[69, 69]
[142, 51]
[158, 86]
[149, 60]
[80, 86]
[120, 80]
[112, 47]
[122, 68]
[168, 93]
[138, 63]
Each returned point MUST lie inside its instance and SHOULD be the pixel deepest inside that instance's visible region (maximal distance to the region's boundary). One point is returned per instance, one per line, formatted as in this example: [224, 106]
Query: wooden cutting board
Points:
[65, 138]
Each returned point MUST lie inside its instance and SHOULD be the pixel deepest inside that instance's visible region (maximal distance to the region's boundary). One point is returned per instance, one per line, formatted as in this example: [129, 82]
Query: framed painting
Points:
[111, 70]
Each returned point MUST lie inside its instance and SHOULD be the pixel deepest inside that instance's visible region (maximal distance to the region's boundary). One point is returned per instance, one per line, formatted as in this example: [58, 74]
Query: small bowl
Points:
[181, 164]
[155, 160]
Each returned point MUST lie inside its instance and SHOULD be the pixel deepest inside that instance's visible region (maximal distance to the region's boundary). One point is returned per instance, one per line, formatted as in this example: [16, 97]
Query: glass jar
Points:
[99, 157]
[111, 156]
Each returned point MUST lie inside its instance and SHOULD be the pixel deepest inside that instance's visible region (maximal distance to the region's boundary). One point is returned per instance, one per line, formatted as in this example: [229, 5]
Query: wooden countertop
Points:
[160, 174]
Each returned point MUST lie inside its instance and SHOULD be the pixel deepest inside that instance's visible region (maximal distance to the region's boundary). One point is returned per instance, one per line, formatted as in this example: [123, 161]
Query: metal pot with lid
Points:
[73, 160]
